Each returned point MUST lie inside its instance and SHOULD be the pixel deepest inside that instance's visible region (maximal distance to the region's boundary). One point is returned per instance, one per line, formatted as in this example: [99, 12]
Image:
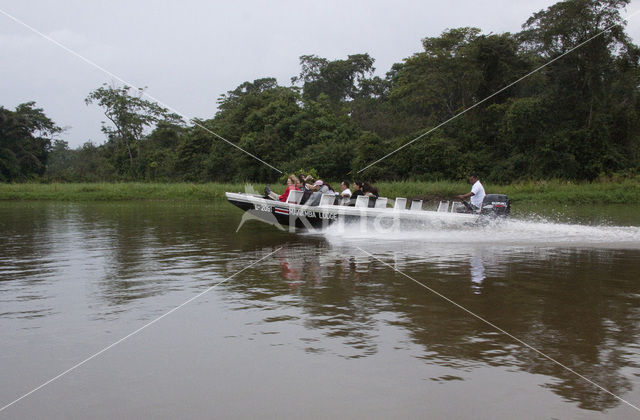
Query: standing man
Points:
[476, 195]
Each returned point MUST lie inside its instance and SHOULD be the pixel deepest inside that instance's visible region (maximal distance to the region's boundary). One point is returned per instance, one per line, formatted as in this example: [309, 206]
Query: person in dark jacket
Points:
[357, 189]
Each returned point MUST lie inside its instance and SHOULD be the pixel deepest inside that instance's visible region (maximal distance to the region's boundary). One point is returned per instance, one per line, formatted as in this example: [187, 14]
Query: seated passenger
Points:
[318, 189]
[370, 190]
[330, 189]
[344, 187]
[305, 182]
[357, 191]
[307, 187]
[292, 183]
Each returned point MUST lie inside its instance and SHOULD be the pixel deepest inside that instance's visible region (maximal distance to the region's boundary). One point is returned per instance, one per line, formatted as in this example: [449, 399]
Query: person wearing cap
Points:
[318, 189]
[476, 195]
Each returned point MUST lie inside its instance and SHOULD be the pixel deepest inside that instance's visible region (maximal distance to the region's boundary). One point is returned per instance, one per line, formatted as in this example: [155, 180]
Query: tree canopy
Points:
[25, 141]
[577, 118]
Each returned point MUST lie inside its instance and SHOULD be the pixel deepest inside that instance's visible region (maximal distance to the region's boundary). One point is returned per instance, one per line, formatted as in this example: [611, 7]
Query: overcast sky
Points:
[190, 52]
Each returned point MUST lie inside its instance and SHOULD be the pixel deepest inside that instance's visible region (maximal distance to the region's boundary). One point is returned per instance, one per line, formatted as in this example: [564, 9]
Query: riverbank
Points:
[559, 192]
[618, 192]
[125, 191]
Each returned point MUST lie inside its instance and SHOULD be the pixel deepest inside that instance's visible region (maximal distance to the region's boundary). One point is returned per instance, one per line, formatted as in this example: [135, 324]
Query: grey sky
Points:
[190, 52]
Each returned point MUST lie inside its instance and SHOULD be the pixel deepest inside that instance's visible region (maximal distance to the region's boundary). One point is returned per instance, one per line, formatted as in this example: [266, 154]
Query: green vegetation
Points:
[25, 140]
[551, 191]
[101, 191]
[555, 191]
[577, 119]
[621, 192]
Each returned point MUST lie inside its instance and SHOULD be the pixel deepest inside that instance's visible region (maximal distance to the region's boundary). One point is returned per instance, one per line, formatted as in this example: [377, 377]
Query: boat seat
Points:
[327, 199]
[400, 204]
[458, 207]
[443, 206]
[362, 201]
[381, 203]
[416, 204]
[294, 197]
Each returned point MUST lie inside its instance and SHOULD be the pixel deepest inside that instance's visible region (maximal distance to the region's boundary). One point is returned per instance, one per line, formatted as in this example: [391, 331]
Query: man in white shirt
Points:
[476, 195]
[346, 192]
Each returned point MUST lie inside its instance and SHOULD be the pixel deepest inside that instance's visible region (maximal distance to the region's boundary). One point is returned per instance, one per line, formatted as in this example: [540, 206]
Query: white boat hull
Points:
[290, 216]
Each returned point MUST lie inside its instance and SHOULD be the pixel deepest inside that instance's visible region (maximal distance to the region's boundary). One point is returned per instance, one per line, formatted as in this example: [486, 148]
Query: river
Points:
[538, 317]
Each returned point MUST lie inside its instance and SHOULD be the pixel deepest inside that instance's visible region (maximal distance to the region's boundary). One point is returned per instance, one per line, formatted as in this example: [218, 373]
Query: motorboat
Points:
[379, 212]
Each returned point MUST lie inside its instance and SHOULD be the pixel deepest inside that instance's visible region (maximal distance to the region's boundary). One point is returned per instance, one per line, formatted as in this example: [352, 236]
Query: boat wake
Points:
[501, 232]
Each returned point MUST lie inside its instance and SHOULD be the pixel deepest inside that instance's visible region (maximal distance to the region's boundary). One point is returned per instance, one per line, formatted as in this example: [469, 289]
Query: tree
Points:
[586, 85]
[340, 80]
[92, 164]
[442, 80]
[260, 117]
[130, 116]
[159, 151]
[61, 162]
[25, 141]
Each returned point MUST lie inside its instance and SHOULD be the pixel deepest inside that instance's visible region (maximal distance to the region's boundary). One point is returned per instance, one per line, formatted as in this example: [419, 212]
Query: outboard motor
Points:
[496, 205]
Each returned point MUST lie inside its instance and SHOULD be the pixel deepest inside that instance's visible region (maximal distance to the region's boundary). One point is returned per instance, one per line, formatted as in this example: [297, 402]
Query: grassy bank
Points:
[621, 192]
[116, 191]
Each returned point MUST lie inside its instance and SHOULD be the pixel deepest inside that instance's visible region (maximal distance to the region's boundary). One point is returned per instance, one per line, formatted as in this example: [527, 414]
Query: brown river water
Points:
[418, 323]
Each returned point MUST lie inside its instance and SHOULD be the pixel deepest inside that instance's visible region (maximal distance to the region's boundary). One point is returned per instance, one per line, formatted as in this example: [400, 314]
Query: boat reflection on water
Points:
[553, 299]
[477, 273]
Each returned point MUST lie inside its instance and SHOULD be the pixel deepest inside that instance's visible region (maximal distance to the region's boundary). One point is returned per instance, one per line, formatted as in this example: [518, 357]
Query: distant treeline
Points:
[578, 118]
